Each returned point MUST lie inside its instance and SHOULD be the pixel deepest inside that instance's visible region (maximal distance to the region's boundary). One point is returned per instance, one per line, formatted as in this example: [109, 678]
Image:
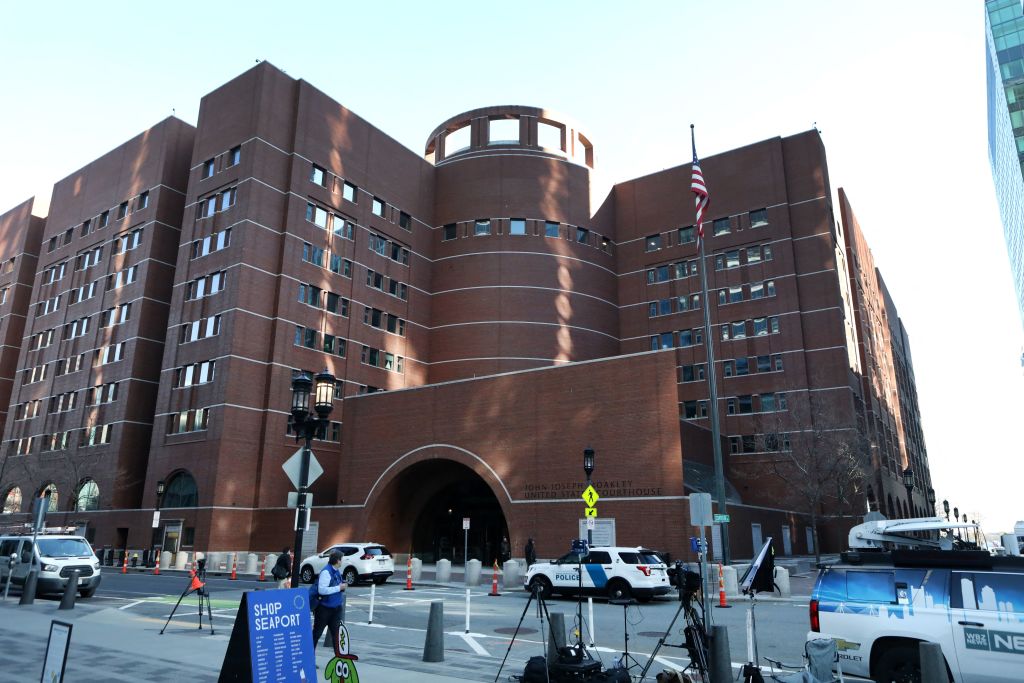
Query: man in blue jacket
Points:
[328, 613]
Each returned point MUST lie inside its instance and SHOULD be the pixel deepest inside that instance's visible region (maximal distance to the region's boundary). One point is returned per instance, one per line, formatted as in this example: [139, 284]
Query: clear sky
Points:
[896, 88]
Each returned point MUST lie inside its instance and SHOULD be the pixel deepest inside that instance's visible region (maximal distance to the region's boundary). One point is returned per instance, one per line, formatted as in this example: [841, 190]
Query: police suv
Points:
[617, 572]
[881, 600]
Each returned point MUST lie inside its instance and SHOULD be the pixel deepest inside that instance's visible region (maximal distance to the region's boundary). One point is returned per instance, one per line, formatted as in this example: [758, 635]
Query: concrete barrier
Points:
[417, 569]
[444, 571]
[165, 559]
[252, 565]
[271, 561]
[732, 586]
[511, 577]
[473, 573]
[433, 647]
[782, 581]
[181, 559]
[214, 561]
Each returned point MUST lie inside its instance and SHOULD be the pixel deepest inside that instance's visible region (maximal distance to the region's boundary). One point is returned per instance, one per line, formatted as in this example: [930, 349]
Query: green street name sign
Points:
[721, 518]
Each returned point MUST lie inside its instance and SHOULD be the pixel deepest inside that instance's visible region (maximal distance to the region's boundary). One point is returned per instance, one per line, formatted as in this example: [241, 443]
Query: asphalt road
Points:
[399, 620]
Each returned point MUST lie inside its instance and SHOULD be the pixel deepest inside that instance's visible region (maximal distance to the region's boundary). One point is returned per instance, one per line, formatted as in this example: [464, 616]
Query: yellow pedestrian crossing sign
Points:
[590, 512]
[590, 496]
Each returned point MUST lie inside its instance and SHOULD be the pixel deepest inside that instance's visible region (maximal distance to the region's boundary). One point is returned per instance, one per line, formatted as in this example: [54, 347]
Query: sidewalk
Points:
[107, 645]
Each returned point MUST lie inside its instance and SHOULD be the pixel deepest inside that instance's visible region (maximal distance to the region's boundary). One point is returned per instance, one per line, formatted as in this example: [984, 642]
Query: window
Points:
[211, 243]
[106, 355]
[377, 208]
[735, 294]
[449, 232]
[382, 359]
[104, 393]
[309, 295]
[342, 228]
[692, 373]
[76, 328]
[125, 242]
[311, 254]
[735, 330]
[550, 229]
[777, 361]
[196, 373]
[482, 226]
[104, 219]
[652, 243]
[318, 176]
[687, 235]
[316, 215]
[205, 286]
[90, 258]
[404, 220]
[695, 409]
[82, 293]
[227, 199]
[200, 329]
[742, 366]
[52, 244]
[721, 226]
[234, 155]
[348, 191]
[122, 210]
[335, 345]
[764, 364]
[582, 235]
[378, 244]
[685, 338]
[517, 226]
[3, 295]
[142, 201]
[341, 266]
[758, 218]
[86, 227]
[398, 289]
[207, 169]
[399, 254]
[188, 421]
[96, 435]
[745, 404]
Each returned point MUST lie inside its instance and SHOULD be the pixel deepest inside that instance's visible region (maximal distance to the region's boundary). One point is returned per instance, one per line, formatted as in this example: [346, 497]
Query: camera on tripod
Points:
[689, 583]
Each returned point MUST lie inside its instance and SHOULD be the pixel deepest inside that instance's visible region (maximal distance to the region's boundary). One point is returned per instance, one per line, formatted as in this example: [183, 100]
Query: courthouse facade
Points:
[486, 312]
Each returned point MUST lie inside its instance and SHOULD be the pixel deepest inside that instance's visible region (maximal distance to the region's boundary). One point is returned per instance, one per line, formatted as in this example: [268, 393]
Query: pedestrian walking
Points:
[506, 550]
[331, 587]
[282, 570]
[530, 552]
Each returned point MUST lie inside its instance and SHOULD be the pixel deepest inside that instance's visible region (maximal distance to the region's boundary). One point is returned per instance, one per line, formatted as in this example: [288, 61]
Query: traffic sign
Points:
[293, 499]
[720, 518]
[590, 512]
[590, 523]
[465, 523]
[156, 519]
[293, 468]
[590, 496]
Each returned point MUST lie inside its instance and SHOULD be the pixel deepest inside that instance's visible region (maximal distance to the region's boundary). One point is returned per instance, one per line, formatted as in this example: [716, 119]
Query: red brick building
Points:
[487, 316]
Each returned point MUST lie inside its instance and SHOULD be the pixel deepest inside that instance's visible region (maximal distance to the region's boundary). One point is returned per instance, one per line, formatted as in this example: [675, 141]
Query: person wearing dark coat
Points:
[531, 552]
[282, 570]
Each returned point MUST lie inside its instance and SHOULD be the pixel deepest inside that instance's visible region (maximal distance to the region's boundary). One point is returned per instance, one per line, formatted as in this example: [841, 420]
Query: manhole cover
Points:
[651, 634]
[507, 631]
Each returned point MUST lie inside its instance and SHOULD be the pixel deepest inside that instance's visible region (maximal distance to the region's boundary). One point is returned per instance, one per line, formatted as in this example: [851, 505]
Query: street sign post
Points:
[465, 541]
[293, 468]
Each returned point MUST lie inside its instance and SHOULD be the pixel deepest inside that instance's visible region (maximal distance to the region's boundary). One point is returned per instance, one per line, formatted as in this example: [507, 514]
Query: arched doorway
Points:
[422, 509]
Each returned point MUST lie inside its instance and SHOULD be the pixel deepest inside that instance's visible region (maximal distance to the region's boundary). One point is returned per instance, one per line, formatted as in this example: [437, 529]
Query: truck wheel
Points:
[901, 664]
[542, 586]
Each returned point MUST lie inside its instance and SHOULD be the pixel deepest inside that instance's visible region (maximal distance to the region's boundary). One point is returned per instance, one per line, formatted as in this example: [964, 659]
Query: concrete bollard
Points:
[511, 577]
[782, 581]
[213, 561]
[444, 571]
[732, 586]
[933, 664]
[556, 621]
[433, 648]
[252, 565]
[231, 558]
[67, 601]
[181, 559]
[165, 559]
[28, 589]
[271, 561]
[417, 569]
[721, 662]
[473, 573]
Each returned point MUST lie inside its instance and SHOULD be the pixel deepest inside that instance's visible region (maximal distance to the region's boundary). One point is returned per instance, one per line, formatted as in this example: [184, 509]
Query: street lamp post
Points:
[956, 518]
[156, 527]
[308, 427]
[908, 484]
[945, 508]
[931, 501]
[588, 468]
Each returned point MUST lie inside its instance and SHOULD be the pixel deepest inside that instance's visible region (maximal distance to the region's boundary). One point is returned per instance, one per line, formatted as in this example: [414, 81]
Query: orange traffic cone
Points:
[721, 588]
[196, 583]
[124, 567]
[263, 569]
[156, 572]
[494, 582]
[234, 569]
[408, 576]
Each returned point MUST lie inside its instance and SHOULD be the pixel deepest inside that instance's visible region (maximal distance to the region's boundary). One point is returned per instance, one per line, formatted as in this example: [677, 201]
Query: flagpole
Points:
[716, 435]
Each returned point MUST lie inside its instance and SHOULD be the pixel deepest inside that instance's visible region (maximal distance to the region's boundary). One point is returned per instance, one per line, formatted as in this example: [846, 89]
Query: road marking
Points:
[477, 647]
[132, 604]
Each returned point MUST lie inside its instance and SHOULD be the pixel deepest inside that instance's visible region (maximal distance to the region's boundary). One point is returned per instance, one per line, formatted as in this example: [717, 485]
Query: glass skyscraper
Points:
[1004, 33]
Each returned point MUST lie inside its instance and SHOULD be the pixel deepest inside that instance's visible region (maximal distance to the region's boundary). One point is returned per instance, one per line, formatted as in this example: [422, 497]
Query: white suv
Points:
[57, 555]
[363, 562]
[879, 606]
[617, 572]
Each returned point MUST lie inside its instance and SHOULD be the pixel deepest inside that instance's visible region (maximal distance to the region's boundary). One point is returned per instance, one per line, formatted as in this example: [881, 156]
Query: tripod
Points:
[628, 661]
[197, 585]
[695, 637]
[542, 614]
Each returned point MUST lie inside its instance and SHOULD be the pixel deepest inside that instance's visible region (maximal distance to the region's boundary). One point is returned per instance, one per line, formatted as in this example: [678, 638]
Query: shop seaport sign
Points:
[272, 639]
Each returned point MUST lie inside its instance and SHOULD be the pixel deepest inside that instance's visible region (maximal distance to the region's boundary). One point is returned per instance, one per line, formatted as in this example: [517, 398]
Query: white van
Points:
[57, 556]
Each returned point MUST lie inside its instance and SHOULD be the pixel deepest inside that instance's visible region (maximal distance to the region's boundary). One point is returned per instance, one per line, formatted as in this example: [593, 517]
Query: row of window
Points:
[330, 432]
[194, 373]
[96, 435]
[63, 366]
[756, 443]
[199, 329]
[318, 256]
[769, 402]
[211, 243]
[384, 321]
[742, 366]
[734, 258]
[232, 158]
[206, 285]
[720, 226]
[673, 271]
[350, 193]
[193, 420]
[218, 201]
[382, 359]
[138, 203]
[332, 303]
[345, 228]
[386, 284]
[62, 403]
[310, 339]
[734, 330]
[675, 304]
[519, 226]
[751, 292]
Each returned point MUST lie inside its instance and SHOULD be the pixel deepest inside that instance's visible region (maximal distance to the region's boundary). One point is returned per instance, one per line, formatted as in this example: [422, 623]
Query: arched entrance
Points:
[422, 509]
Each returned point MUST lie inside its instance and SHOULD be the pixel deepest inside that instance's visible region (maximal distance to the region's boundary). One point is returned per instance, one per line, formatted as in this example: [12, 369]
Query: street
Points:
[395, 637]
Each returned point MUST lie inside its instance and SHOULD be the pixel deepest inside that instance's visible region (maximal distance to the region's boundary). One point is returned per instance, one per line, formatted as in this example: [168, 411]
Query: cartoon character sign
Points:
[342, 669]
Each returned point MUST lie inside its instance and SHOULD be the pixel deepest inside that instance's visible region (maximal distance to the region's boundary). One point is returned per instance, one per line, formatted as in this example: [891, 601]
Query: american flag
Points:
[700, 191]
